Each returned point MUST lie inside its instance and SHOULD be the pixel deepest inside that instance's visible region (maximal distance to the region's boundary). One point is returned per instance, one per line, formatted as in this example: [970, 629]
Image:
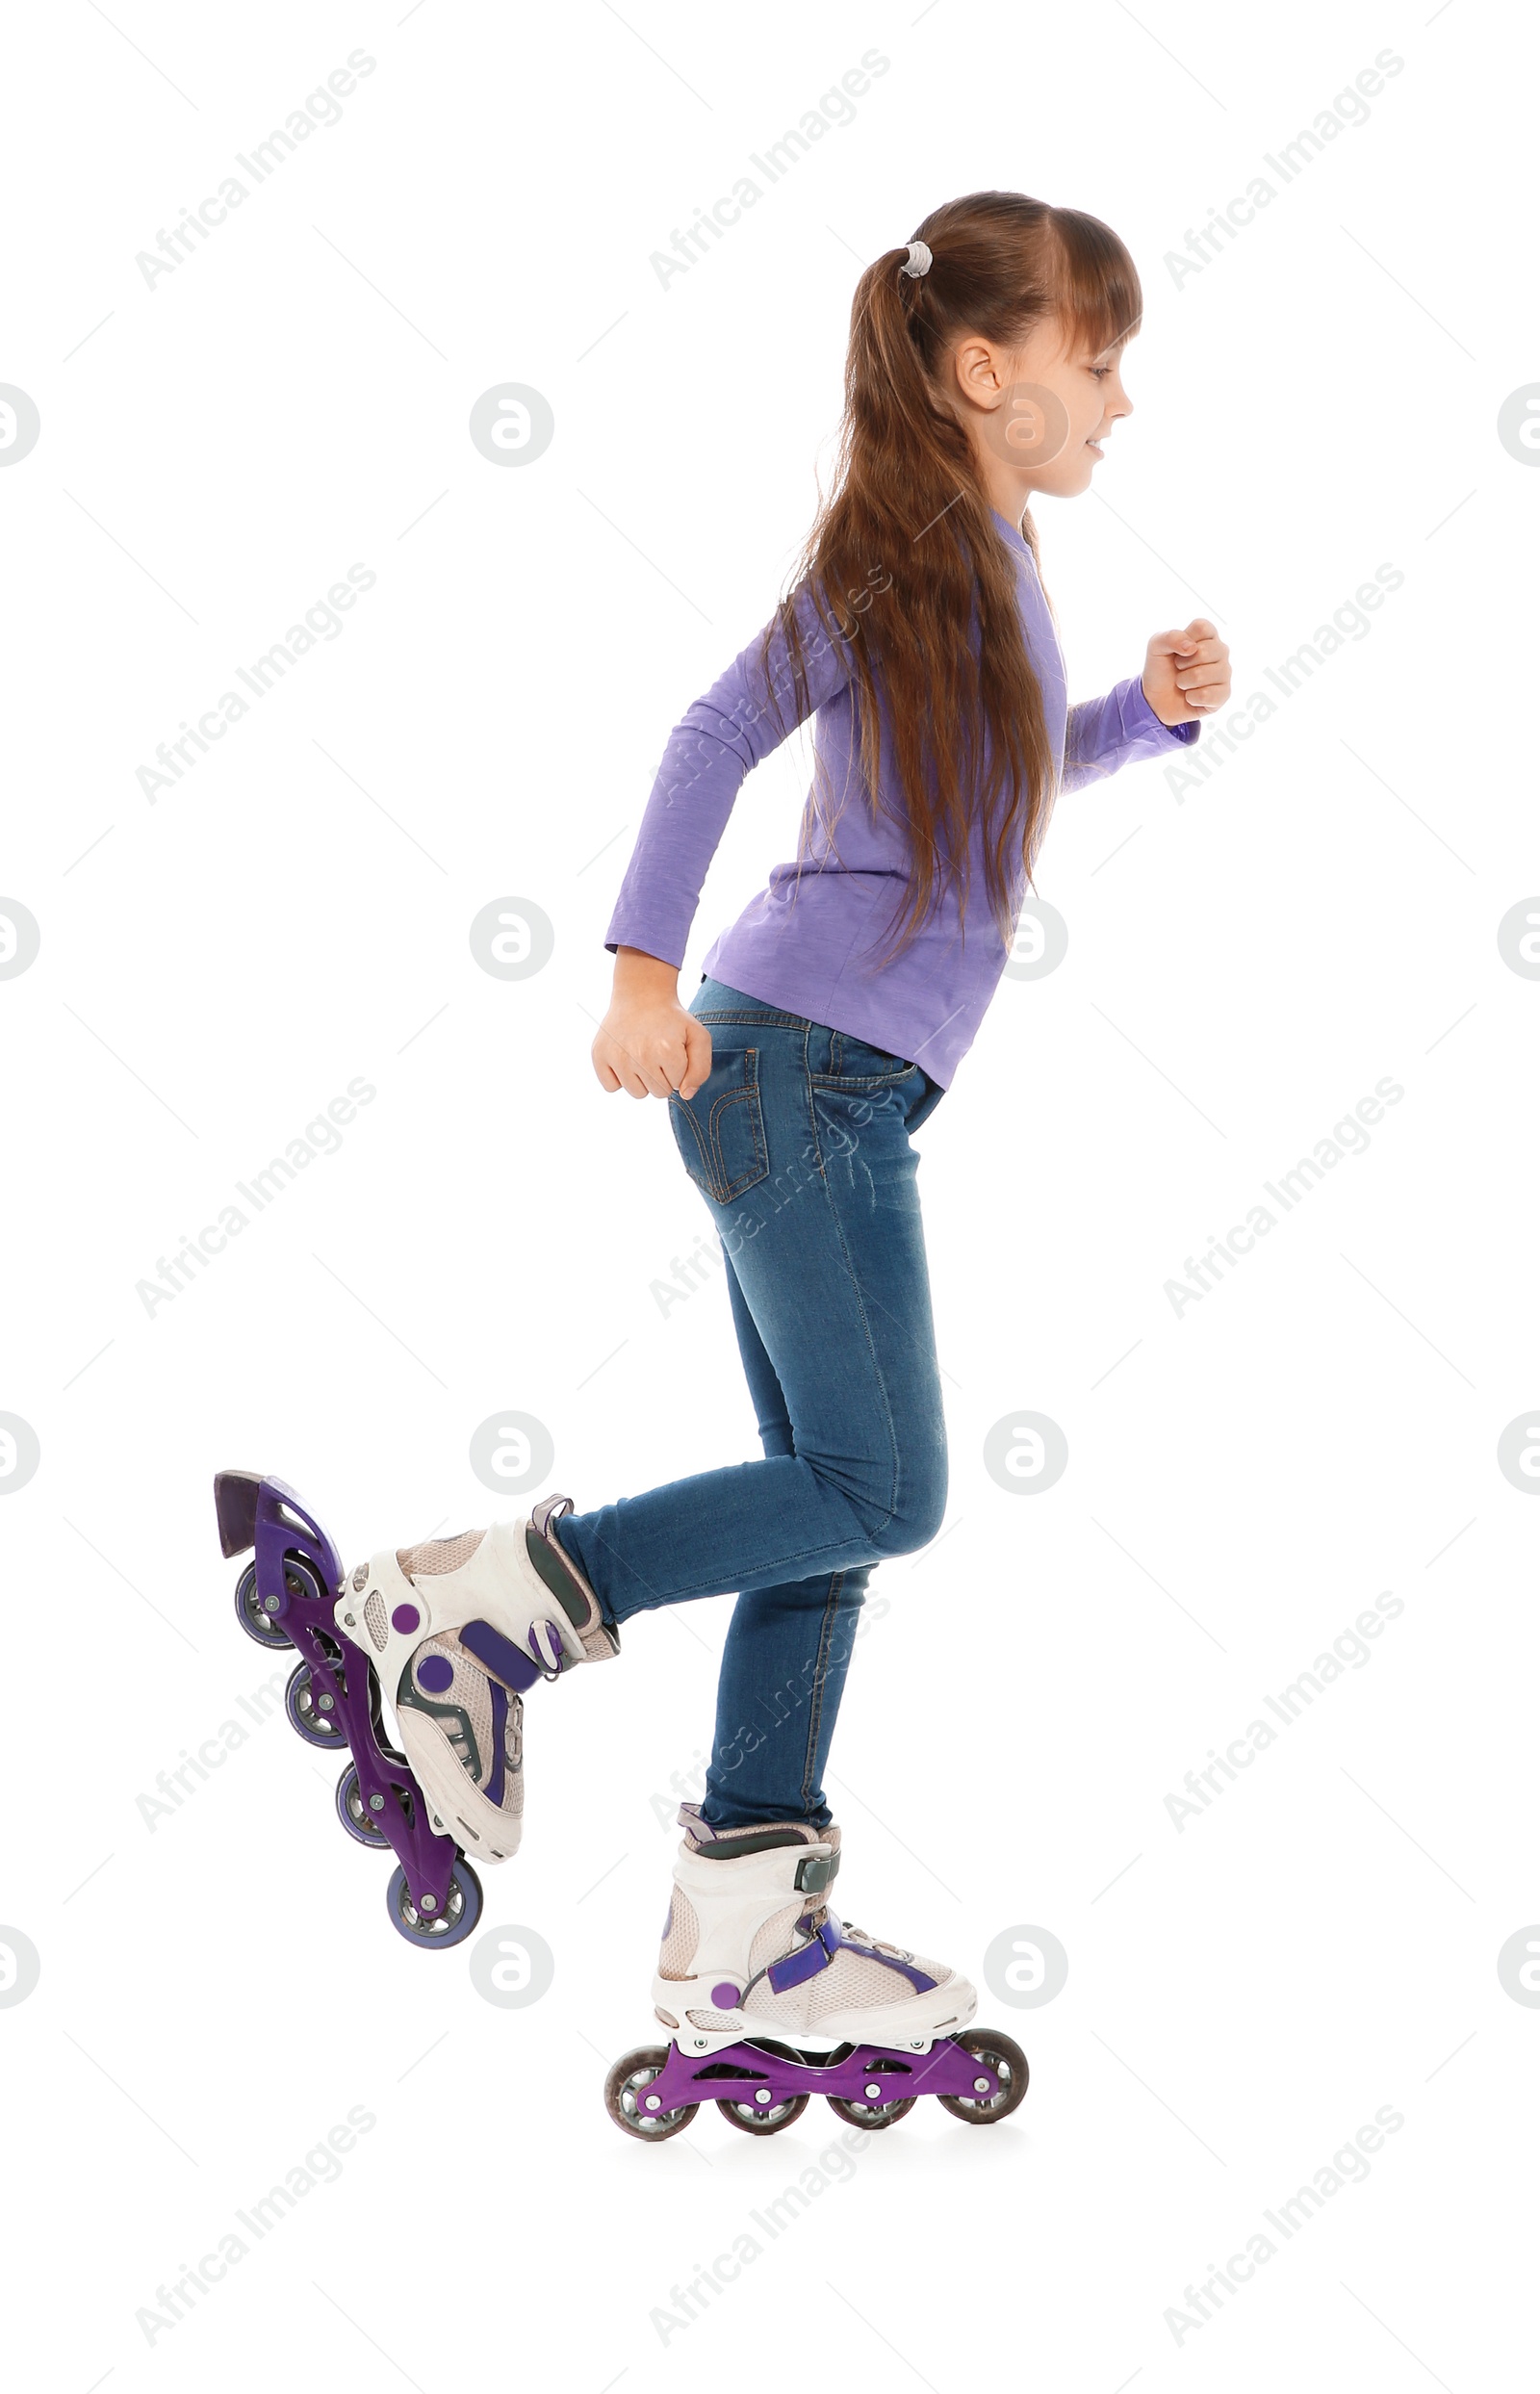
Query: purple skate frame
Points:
[267, 1514]
[869, 2073]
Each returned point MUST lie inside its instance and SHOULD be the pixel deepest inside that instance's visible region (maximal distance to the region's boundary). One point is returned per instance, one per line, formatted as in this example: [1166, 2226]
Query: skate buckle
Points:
[795, 1968]
[814, 1873]
[548, 1651]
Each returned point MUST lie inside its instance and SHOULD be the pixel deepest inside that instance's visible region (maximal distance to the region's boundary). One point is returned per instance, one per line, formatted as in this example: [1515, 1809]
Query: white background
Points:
[220, 1987]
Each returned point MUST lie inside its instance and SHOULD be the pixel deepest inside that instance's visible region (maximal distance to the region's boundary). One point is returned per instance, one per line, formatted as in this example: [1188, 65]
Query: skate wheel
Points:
[462, 1909]
[766, 2119]
[312, 1711]
[354, 1814]
[256, 1623]
[625, 2096]
[872, 2116]
[1006, 2059]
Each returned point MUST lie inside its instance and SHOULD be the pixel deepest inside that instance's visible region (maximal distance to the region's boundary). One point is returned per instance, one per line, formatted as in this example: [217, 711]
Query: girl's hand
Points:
[649, 1047]
[1187, 673]
[648, 1043]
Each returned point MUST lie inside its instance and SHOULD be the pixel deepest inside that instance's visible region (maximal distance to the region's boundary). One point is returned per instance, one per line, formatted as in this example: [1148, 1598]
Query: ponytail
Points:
[909, 520]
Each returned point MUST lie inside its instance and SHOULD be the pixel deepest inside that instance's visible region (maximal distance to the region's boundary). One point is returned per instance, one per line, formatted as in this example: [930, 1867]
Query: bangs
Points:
[1096, 282]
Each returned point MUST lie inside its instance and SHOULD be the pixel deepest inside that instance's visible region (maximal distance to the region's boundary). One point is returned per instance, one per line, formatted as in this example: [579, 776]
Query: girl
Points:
[984, 365]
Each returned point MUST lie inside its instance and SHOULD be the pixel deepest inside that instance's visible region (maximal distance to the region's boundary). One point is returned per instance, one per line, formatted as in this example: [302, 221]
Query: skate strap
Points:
[493, 1789]
[549, 1558]
[498, 1657]
[828, 1939]
[813, 1871]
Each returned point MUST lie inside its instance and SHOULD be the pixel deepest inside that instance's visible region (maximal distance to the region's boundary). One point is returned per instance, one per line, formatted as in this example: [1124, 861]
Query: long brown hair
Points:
[905, 551]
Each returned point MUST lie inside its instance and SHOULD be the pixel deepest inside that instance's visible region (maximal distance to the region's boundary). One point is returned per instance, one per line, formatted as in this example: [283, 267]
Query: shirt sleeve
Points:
[1105, 733]
[715, 746]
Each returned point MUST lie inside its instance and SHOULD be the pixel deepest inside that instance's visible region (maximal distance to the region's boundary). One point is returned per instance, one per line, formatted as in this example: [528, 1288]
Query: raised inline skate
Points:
[772, 1999]
[442, 1639]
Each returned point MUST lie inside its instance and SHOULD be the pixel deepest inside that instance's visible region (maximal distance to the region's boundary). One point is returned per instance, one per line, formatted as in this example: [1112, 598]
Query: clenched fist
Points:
[648, 1043]
[1187, 673]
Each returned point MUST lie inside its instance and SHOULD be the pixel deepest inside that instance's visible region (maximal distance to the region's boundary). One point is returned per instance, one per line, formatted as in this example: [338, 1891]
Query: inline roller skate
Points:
[772, 1999]
[448, 1634]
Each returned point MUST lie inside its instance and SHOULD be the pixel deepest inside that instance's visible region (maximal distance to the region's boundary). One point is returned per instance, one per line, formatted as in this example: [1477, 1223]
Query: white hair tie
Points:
[918, 261]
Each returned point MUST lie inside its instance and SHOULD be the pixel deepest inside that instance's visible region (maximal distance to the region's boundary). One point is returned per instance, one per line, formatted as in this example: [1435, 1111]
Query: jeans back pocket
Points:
[720, 1131]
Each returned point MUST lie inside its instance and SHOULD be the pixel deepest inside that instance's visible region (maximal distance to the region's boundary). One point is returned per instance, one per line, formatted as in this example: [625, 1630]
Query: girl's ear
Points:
[979, 371]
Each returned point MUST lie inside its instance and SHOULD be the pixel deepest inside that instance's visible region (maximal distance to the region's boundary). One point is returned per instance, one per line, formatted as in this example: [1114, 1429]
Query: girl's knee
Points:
[917, 1519]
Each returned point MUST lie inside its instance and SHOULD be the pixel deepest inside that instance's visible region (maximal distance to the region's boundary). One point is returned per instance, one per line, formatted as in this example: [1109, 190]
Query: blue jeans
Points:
[799, 1142]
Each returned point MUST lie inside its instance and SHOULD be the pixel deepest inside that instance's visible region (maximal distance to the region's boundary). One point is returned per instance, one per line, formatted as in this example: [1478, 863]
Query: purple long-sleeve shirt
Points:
[808, 940]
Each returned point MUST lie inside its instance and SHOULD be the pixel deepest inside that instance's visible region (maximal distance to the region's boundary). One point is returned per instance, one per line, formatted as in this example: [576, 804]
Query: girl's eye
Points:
[1101, 372]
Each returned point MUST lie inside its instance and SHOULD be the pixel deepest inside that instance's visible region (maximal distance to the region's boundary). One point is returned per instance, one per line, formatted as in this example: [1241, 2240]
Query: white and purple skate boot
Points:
[774, 1999]
[458, 1629]
[448, 1634]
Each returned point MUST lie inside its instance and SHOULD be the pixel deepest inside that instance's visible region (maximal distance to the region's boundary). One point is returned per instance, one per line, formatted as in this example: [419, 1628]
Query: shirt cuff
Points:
[652, 940]
[1144, 716]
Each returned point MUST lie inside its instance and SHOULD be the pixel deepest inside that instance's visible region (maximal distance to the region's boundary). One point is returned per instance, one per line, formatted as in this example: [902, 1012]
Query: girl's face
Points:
[1038, 415]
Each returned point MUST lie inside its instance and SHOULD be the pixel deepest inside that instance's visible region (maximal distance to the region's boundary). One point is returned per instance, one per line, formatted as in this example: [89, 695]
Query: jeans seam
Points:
[712, 1178]
[861, 1080]
[815, 1706]
[877, 1374]
[777, 1021]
